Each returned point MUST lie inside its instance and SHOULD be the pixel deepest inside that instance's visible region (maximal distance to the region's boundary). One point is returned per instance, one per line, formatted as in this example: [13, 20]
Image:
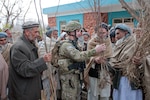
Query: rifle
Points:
[78, 66]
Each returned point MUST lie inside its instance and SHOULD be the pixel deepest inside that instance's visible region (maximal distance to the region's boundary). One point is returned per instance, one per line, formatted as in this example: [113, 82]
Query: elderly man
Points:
[3, 78]
[25, 65]
[125, 87]
[5, 46]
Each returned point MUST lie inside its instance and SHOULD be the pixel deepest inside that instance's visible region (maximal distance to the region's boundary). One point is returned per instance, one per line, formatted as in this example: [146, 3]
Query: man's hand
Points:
[100, 48]
[137, 60]
[47, 57]
[100, 60]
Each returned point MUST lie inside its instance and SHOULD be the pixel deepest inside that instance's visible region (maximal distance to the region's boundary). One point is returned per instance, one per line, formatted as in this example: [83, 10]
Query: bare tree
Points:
[27, 11]
[142, 15]
[95, 7]
[11, 10]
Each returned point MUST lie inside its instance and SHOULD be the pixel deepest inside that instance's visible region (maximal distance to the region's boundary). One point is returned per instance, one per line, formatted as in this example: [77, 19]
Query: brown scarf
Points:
[122, 59]
[92, 44]
[5, 53]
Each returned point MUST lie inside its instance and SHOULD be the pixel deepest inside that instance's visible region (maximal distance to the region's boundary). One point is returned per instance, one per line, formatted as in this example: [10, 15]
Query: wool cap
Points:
[3, 35]
[30, 24]
[124, 27]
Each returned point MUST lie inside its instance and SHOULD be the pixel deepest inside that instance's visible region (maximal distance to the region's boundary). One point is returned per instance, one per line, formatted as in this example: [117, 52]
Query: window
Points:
[76, 20]
[127, 21]
[62, 25]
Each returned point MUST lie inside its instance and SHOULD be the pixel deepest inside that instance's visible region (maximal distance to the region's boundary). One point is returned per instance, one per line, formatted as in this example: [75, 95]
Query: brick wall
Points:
[52, 21]
[90, 22]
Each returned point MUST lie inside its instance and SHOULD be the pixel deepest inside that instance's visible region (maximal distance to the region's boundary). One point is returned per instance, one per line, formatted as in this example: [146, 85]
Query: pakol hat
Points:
[123, 27]
[30, 24]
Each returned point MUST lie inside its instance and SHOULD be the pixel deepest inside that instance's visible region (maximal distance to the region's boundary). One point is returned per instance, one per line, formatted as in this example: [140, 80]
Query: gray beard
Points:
[3, 47]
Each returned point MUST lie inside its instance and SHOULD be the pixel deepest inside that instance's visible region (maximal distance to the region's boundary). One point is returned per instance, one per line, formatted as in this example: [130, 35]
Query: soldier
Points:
[70, 55]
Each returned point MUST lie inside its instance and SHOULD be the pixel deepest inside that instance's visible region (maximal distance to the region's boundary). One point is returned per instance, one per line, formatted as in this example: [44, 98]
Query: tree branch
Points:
[129, 9]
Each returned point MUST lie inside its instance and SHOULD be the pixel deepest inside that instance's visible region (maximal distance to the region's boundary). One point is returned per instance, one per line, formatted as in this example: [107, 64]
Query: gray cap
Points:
[30, 24]
[48, 32]
[86, 33]
[124, 27]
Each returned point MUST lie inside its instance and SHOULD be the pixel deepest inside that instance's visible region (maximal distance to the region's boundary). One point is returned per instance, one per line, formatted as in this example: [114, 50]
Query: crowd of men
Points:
[103, 64]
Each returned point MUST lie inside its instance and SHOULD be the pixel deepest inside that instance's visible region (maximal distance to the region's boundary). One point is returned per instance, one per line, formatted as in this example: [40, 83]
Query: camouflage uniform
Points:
[70, 82]
[70, 78]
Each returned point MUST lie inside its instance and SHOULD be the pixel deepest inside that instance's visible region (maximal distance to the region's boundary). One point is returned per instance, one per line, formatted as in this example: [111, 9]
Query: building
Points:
[83, 12]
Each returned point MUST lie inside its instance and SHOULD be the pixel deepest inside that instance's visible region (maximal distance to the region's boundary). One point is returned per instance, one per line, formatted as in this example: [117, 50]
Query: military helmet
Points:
[72, 26]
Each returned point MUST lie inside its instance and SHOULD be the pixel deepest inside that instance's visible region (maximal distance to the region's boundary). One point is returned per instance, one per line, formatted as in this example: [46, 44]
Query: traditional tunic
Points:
[3, 77]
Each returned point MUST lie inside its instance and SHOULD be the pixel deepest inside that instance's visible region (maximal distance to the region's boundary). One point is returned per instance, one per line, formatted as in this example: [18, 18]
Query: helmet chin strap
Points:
[74, 42]
[76, 38]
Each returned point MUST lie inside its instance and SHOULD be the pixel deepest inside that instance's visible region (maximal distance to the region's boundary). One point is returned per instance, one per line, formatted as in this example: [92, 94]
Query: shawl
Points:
[123, 53]
[5, 53]
[107, 53]
[122, 59]
[146, 77]
[3, 77]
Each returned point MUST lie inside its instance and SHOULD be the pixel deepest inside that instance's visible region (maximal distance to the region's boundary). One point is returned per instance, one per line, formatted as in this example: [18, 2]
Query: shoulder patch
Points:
[69, 48]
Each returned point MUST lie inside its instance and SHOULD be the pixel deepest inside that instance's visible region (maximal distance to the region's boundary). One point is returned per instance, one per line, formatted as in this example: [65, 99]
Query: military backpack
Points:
[55, 53]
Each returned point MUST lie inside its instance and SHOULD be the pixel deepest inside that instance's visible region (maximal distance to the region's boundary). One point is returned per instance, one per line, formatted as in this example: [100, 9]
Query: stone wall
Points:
[90, 20]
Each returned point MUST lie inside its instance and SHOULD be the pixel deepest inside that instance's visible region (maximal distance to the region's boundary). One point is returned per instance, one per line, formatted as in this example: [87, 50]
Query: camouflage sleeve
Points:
[76, 55]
